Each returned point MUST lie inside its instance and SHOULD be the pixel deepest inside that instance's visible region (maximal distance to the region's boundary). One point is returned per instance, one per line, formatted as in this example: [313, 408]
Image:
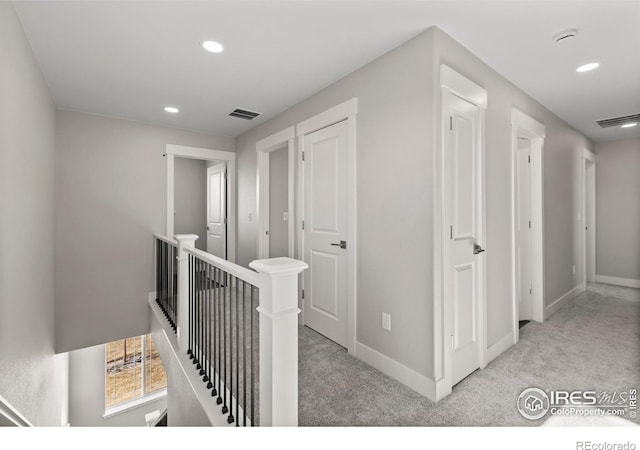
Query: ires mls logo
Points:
[534, 403]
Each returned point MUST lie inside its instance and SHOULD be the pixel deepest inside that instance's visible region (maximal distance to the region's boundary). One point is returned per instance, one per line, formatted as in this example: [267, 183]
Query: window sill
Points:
[133, 404]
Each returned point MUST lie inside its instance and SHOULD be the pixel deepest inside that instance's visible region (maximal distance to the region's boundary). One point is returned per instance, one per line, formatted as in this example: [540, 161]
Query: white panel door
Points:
[325, 231]
[217, 210]
[463, 270]
[524, 281]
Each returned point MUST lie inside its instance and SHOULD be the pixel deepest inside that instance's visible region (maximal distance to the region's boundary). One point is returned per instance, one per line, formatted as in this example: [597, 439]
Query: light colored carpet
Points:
[592, 343]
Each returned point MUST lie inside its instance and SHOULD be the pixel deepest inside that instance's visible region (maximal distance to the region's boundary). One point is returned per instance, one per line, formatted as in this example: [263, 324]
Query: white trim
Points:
[183, 151]
[338, 113]
[452, 83]
[462, 86]
[556, 305]
[522, 124]
[345, 111]
[415, 380]
[587, 156]
[12, 414]
[627, 282]
[264, 147]
[135, 403]
[499, 347]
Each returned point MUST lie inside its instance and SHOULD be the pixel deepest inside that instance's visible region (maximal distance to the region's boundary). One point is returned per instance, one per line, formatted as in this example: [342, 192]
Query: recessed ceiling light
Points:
[171, 109]
[588, 67]
[629, 125]
[212, 46]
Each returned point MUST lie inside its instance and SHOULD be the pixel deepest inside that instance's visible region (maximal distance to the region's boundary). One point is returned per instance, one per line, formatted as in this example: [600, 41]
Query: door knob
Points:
[477, 249]
[342, 244]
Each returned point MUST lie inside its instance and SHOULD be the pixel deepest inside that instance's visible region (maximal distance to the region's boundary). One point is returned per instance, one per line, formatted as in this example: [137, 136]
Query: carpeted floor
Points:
[592, 343]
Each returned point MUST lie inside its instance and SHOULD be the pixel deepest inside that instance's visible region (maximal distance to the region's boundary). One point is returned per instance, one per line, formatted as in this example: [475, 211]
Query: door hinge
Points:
[452, 344]
[451, 232]
[225, 220]
[529, 159]
[303, 294]
[529, 224]
[267, 232]
[303, 156]
[303, 224]
[530, 290]
[451, 122]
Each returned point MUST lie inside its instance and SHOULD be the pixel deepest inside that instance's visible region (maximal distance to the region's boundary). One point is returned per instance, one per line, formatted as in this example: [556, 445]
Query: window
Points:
[134, 371]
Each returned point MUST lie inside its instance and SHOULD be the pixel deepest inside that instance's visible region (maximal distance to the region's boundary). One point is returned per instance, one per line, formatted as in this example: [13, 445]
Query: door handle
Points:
[477, 249]
[342, 244]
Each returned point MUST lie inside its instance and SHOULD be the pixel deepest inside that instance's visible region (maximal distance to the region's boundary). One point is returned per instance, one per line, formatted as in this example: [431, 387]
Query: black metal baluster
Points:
[251, 349]
[214, 337]
[219, 338]
[231, 282]
[175, 288]
[237, 353]
[244, 360]
[203, 320]
[209, 317]
[162, 270]
[190, 309]
[157, 255]
[199, 315]
[224, 344]
[196, 343]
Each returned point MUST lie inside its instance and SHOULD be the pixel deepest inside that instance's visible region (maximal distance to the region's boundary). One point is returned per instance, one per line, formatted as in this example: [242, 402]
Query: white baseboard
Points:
[10, 416]
[556, 305]
[499, 347]
[416, 381]
[627, 282]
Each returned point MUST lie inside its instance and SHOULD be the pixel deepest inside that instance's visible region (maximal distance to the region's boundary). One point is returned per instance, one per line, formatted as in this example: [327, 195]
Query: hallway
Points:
[592, 343]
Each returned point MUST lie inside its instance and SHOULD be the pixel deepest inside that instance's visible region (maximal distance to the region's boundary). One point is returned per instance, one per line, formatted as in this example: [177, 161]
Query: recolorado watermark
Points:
[534, 403]
[588, 445]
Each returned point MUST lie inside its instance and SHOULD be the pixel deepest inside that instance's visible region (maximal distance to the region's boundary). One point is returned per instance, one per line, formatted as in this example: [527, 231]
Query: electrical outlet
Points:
[285, 216]
[386, 321]
[574, 270]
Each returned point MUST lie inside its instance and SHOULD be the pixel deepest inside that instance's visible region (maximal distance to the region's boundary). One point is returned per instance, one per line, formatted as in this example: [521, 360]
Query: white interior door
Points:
[325, 231]
[217, 210]
[524, 282]
[463, 257]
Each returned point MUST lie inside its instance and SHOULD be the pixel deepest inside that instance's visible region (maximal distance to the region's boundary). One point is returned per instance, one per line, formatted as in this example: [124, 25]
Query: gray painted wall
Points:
[397, 123]
[110, 199]
[32, 377]
[190, 201]
[86, 393]
[394, 118]
[561, 186]
[278, 198]
[618, 209]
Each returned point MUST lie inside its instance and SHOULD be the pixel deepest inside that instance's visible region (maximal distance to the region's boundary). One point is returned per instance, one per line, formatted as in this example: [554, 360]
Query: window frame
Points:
[145, 397]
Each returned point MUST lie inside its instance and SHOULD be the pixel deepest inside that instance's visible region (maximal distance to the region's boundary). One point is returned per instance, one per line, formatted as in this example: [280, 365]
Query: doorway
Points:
[527, 220]
[276, 214]
[589, 212]
[218, 156]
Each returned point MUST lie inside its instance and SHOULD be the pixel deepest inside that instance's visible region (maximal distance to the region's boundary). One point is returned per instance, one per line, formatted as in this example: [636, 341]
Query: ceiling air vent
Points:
[606, 123]
[244, 114]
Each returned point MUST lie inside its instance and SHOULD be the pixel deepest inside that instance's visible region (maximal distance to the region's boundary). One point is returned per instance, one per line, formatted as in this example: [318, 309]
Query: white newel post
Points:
[184, 241]
[278, 308]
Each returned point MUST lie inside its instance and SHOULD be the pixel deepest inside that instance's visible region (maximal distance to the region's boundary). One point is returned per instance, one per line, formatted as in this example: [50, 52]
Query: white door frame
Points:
[587, 157]
[348, 111]
[523, 125]
[451, 82]
[282, 139]
[182, 151]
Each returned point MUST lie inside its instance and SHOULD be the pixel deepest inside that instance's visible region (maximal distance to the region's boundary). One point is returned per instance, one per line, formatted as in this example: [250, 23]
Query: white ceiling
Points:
[130, 58]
